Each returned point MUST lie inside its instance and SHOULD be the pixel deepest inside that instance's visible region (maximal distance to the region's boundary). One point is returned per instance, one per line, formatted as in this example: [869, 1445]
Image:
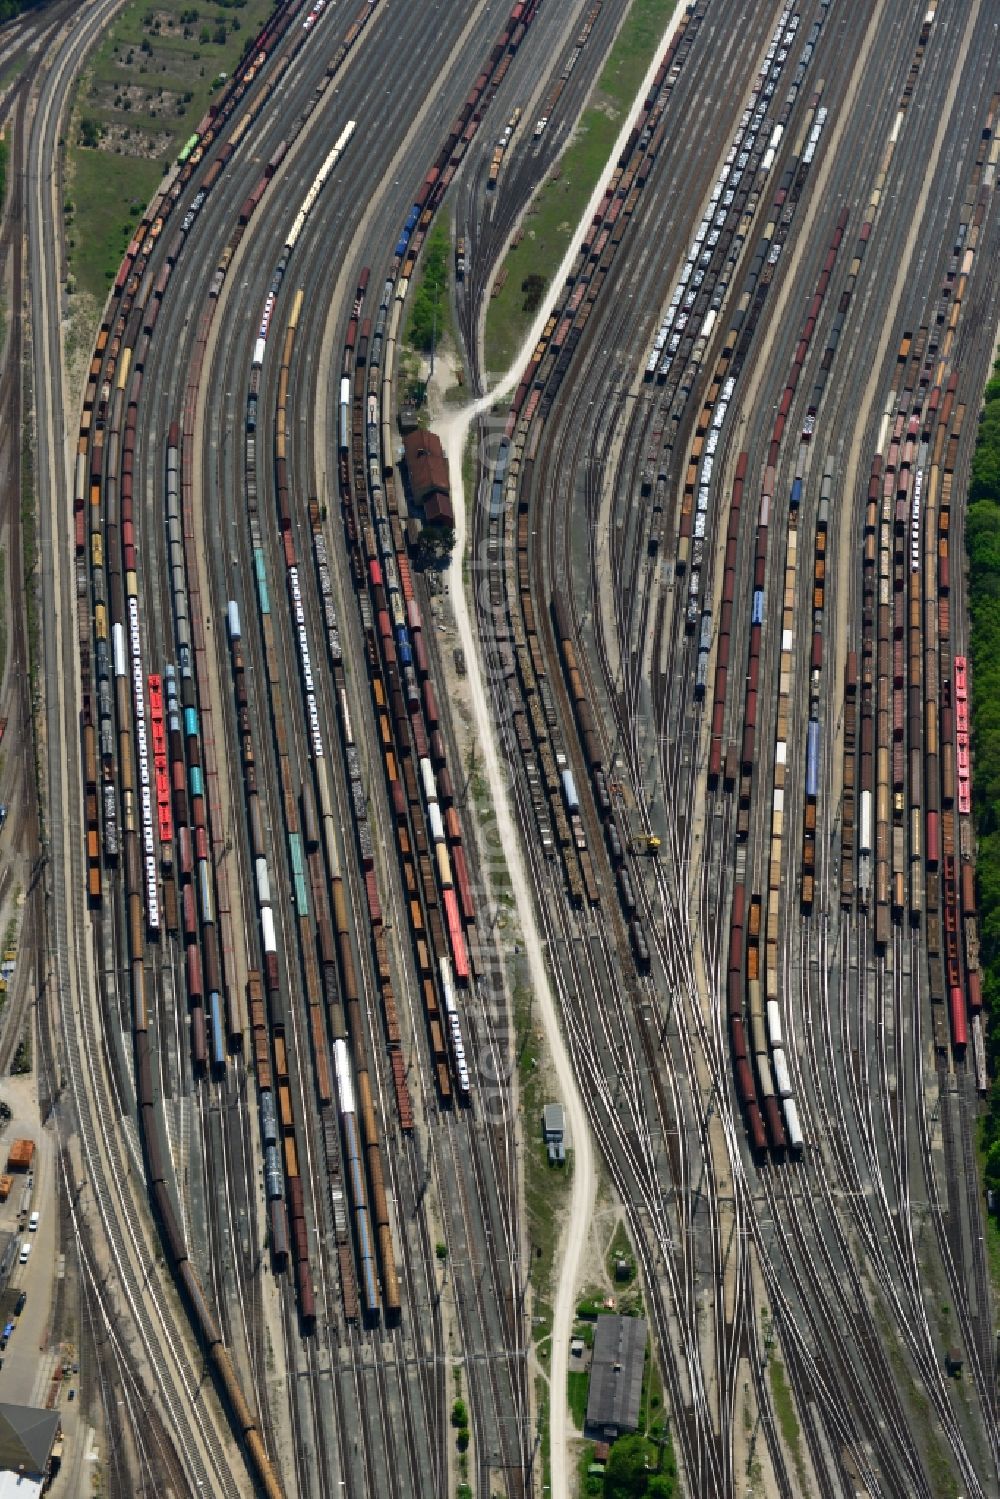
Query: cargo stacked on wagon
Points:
[546, 370]
[910, 772]
[764, 989]
[143, 827]
[147, 817]
[371, 1221]
[551, 781]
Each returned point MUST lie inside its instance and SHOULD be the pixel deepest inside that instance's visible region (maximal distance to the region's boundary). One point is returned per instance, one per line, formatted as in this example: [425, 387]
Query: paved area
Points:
[32, 1364]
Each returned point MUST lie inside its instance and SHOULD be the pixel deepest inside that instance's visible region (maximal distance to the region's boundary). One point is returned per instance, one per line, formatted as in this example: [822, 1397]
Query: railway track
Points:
[641, 945]
[564, 476]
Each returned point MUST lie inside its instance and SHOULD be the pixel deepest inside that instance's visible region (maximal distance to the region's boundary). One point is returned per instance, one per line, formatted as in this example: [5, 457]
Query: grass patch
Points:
[651, 1402]
[554, 214]
[3, 613]
[470, 470]
[477, 789]
[784, 1403]
[111, 199]
[144, 91]
[544, 1438]
[579, 1386]
[785, 1408]
[939, 1466]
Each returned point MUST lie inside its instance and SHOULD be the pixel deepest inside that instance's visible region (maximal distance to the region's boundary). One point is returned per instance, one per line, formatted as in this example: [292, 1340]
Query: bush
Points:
[534, 288]
[463, 1439]
[459, 1414]
[90, 134]
[22, 1057]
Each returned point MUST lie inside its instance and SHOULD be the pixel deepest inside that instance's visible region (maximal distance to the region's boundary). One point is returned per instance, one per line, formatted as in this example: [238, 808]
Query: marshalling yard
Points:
[582, 715]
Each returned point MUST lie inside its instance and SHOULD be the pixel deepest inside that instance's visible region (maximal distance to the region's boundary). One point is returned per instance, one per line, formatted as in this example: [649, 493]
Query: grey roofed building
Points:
[27, 1435]
[616, 1370]
[553, 1123]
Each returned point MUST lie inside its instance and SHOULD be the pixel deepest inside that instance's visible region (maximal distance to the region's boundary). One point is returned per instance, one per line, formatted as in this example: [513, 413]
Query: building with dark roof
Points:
[27, 1437]
[616, 1370]
[427, 468]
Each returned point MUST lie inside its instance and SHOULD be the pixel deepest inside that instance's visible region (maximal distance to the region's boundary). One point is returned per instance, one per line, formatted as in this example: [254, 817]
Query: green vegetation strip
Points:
[982, 540]
[430, 315]
[3, 612]
[555, 213]
[579, 1387]
[143, 93]
[3, 173]
[785, 1408]
[29, 546]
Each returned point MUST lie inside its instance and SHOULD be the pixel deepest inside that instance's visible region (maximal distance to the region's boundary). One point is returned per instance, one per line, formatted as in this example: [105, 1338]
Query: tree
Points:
[661, 1486]
[626, 1475]
[435, 544]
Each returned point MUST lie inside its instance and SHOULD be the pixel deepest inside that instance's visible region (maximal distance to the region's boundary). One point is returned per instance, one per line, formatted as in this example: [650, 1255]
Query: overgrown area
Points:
[982, 540]
[555, 212]
[430, 316]
[143, 93]
[636, 1469]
